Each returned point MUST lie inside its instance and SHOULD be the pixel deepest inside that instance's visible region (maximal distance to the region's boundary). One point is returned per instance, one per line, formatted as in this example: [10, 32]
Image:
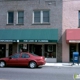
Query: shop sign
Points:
[74, 41]
[26, 40]
[36, 41]
[8, 40]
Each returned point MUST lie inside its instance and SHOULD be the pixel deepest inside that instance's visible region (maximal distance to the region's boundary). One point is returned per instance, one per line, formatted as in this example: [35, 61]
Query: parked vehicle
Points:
[23, 59]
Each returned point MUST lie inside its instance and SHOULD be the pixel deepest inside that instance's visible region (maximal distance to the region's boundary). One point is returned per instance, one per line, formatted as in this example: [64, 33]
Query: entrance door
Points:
[79, 51]
[72, 48]
[10, 49]
[2, 50]
[38, 49]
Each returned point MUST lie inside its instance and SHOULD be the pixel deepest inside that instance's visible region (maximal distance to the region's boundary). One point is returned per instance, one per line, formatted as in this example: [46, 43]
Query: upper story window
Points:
[41, 17]
[20, 17]
[10, 17]
[79, 18]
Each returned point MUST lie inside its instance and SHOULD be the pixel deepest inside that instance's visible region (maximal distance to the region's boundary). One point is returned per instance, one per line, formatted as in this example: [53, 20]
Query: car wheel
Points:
[2, 64]
[32, 64]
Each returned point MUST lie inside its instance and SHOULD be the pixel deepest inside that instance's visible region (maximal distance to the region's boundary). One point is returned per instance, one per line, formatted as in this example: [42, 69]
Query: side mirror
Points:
[10, 57]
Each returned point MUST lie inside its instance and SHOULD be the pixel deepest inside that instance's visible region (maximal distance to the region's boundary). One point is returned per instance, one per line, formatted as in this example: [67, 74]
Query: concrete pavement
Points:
[63, 64]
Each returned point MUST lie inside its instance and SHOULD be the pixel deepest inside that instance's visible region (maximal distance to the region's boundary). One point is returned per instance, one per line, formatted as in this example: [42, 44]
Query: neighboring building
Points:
[33, 26]
[71, 29]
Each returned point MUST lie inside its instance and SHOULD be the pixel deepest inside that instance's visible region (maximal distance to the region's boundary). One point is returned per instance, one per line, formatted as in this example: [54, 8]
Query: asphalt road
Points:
[44, 73]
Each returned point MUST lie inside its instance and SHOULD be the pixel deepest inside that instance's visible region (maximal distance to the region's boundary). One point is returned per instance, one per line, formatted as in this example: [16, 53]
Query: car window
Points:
[17, 55]
[25, 55]
[34, 54]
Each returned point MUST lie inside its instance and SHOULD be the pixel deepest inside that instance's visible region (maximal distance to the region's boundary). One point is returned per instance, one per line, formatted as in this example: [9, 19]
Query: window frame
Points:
[20, 17]
[8, 17]
[41, 17]
[79, 19]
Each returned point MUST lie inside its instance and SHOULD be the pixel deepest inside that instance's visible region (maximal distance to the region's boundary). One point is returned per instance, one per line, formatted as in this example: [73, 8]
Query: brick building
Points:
[33, 26]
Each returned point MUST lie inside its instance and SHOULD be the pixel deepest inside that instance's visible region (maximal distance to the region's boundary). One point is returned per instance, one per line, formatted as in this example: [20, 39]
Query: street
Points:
[44, 73]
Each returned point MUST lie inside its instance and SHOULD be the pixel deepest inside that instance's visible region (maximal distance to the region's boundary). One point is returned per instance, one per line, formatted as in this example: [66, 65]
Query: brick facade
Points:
[55, 7]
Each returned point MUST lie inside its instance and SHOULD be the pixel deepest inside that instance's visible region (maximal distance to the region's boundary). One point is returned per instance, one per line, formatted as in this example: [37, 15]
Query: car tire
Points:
[32, 64]
[2, 64]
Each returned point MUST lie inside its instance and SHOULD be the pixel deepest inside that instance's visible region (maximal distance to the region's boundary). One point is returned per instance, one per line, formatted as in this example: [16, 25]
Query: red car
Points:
[23, 59]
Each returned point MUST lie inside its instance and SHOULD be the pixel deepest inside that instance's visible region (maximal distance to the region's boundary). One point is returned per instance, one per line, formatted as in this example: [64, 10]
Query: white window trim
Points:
[33, 18]
[7, 18]
[41, 18]
[17, 17]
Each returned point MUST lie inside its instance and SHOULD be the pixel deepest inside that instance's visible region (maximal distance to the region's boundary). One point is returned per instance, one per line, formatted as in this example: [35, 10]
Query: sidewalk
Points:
[63, 64]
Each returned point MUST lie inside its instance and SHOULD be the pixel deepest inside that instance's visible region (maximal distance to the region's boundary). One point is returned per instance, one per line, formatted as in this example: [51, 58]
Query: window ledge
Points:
[19, 24]
[40, 23]
[10, 24]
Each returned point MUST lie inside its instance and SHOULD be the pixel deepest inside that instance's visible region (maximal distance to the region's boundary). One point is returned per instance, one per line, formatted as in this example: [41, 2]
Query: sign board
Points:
[8, 40]
[27, 41]
[36, 41]
[74, 41]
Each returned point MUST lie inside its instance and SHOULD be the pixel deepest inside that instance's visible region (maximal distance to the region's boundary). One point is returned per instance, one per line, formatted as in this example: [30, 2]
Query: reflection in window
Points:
[25, 56]
[50, 51]
[23, 48]
[15, 55]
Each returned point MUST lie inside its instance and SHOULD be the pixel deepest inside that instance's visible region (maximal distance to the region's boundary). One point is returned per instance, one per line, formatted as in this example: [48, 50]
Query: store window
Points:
[23, 48]
[50, 51]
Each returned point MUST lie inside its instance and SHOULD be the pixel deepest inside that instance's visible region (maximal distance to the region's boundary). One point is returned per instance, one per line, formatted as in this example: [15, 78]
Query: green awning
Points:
[29, 35]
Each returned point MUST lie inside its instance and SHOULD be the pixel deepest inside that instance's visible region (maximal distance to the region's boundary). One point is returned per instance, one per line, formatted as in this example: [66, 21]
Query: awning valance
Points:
[28, 35]
[73, 35]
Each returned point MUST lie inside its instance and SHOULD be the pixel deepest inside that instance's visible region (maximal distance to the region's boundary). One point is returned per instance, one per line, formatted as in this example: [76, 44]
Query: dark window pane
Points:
[45, 19]
[37, 20]
[20, 20]
[36, 16]
[45, 16]
[10, 17]
[21, 14]
[20, 17]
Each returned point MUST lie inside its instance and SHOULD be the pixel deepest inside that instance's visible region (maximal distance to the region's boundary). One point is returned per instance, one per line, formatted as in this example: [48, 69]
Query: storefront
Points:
[42, 42]
[73, 39]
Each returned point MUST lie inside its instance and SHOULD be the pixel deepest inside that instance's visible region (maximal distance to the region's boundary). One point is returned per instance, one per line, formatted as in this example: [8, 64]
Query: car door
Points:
[24, 59]
[13, 60]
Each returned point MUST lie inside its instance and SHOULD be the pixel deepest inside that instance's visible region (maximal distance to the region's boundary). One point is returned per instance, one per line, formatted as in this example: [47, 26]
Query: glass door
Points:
[72, 48]
[2, 50]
